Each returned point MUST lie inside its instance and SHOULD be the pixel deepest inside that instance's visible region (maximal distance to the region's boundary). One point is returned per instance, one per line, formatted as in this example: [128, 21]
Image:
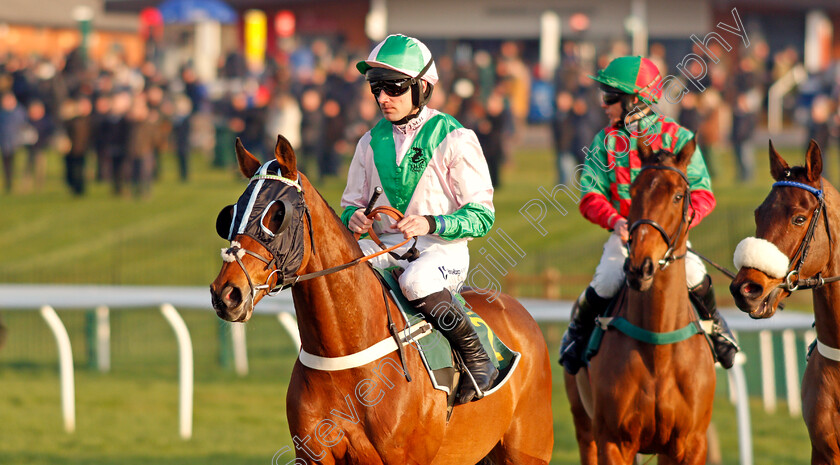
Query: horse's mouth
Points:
[238, 314]
[768, 305]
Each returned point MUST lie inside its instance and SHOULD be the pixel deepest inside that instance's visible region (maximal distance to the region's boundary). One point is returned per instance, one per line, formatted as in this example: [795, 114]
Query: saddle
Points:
[442, 362]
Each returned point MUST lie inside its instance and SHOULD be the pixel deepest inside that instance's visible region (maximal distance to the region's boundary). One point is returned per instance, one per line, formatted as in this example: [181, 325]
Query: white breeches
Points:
[442, 264]
[609, 275]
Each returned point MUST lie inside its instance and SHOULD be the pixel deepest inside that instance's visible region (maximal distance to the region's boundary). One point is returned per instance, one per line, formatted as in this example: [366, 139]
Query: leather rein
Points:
[272, 289]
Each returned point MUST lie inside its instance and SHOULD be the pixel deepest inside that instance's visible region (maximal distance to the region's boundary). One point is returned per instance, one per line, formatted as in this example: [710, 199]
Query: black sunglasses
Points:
[610, 98]
[391, 88]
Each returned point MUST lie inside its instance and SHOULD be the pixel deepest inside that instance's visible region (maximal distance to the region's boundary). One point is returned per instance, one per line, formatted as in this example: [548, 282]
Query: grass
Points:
[129, 416]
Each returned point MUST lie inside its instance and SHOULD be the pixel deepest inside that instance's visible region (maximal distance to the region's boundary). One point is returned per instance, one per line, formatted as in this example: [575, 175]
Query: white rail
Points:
[65, 367]
[185, 369]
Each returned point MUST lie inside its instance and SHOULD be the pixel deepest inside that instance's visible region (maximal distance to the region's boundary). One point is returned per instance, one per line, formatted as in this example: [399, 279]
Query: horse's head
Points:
[790, 242]
[266, 228]
[658, 213]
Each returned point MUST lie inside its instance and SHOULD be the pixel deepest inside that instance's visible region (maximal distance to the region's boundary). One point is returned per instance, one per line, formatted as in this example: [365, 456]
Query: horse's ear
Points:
[285, 155]
[813, 162]
[684, 156]
[778, 166]
[646, 153]
[248, 164]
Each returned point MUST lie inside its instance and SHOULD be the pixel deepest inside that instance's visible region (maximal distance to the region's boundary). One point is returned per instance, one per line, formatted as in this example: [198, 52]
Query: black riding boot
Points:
[447, 314]
[573, 346]
[703, 298]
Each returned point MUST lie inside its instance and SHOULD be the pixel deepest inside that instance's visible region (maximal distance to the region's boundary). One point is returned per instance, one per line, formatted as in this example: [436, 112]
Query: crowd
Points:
[112, 123]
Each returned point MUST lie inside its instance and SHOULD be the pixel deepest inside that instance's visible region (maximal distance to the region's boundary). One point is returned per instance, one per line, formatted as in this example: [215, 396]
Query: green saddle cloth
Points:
[435, 349]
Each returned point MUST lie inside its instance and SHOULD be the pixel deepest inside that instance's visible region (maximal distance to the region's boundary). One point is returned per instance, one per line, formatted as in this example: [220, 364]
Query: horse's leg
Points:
[695, 448]
[529, 439]
[611, 453]
[582, 422]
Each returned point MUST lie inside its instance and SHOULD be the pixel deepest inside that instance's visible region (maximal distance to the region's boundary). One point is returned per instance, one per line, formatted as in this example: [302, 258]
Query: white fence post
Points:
[103, 339]
[768, 370]
[290, 323]
[240, 348]
[185, 369]
[742, 411]
[791, 373]
[65, 367]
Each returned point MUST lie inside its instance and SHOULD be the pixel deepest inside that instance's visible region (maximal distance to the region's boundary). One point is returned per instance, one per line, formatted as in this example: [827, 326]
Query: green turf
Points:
[129, 416]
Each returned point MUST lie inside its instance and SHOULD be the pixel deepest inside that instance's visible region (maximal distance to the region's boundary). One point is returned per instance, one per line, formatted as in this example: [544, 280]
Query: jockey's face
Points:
[395, 108]
[613, 110]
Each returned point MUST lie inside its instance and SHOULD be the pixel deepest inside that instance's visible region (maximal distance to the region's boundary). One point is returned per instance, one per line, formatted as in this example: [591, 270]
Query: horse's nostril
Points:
[751, 290]
[647, 267]
[232, 296]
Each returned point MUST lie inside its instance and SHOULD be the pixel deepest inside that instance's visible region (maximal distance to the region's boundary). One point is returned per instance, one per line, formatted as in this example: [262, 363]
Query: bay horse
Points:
[370, 414]
[794, 249]
[651, 392]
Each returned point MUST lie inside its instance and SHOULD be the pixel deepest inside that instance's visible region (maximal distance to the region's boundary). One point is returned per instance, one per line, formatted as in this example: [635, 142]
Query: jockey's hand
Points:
[359, 223]
[413, 225]
[620, 230]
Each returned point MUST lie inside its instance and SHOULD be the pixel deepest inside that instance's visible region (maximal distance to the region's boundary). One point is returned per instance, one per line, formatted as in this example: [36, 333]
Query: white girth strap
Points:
[372, 353]
[828, 352]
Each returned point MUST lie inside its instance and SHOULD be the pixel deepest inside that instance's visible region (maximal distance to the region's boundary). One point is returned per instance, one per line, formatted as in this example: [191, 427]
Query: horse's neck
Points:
[343, 312]
[827, 298]
[665, 306]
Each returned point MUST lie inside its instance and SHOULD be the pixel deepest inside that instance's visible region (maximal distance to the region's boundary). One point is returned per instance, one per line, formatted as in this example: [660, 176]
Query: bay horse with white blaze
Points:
[651, 386]
[794, 249]
[369, 414]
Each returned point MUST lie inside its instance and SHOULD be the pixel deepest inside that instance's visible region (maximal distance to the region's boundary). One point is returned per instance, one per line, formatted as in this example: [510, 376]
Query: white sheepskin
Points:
[762, 255]
[229, 256]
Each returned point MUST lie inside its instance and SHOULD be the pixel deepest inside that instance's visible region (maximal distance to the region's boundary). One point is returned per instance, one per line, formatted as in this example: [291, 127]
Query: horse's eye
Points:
[678, 197]
[798, 220]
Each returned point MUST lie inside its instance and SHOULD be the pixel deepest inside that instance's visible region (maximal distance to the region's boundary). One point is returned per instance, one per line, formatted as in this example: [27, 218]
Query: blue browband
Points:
[816, 192]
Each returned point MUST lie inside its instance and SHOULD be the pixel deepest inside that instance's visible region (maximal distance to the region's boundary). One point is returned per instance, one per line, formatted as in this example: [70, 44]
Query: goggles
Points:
[611, 98]
[391, 88]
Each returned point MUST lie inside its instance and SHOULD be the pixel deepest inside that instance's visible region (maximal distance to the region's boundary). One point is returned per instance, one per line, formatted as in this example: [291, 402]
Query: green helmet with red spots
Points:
[633, 75]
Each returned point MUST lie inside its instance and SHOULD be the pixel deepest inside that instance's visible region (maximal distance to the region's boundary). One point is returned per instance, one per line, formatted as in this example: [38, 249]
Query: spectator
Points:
[102, 142]
[819, 129]
[562, 129]
[283, 117]
[335, 127]
[491, 131]
[42, 128]
[78, 126]
[311, 129]
[12, 119]
[182, 109]
[709, 133]
[142, 133]
[116, 128]
[743, 128]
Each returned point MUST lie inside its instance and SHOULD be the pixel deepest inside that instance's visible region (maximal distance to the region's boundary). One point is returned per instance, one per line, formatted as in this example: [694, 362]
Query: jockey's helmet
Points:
[405, 60]
[634, 75]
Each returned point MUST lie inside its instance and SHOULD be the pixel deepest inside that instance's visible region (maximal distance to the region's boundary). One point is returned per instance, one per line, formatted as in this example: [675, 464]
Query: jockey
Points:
[432, 170]
[630, 86]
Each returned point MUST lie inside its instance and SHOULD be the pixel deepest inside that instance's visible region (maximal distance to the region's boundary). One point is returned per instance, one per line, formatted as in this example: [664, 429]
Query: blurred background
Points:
[117, 124]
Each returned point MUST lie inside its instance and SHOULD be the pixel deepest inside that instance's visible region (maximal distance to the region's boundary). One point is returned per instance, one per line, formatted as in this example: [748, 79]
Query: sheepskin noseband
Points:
[762, 255]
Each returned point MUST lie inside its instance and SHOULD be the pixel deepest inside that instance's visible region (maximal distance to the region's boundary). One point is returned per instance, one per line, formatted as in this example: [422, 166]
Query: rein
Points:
[294, 279]
[793, 281]
[669, 256]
